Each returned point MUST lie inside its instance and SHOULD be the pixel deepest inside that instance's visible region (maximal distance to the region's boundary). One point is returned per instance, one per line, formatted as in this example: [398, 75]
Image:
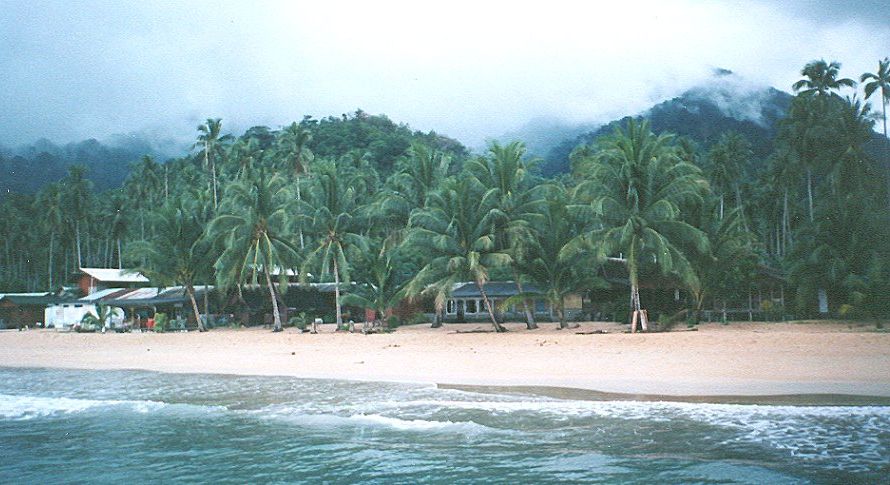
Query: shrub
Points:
[161, 322]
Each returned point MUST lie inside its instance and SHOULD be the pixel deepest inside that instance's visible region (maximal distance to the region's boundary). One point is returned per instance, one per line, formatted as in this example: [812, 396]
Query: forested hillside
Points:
[406, 214]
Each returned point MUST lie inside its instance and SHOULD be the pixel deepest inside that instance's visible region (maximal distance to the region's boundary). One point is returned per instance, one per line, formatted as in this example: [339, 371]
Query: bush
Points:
[393, 322]
[161, 322]
[300, 321]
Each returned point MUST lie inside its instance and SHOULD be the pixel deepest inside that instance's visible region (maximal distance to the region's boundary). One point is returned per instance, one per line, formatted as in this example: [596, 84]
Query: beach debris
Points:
[592, 332]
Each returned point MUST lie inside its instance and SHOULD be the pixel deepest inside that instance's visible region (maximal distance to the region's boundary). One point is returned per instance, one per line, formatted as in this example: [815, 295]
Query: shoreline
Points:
[753, 363]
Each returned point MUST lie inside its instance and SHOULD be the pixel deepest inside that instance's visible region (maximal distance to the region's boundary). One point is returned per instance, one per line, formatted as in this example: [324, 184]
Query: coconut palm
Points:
[504, 172]
[821, 79]
[636, 186]
[254, 229]
[294, 145]
[456, 231]
[210, 142]
[728, 159]
[381, 289]
[548, 259]
[178, 254]
[50, 203]
[329, 211]
[77, 196]
[880, 82]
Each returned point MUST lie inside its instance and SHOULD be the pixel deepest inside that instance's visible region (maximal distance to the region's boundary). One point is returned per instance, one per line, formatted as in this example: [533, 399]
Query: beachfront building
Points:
[20, 310]
[466, 304]
[90, 280]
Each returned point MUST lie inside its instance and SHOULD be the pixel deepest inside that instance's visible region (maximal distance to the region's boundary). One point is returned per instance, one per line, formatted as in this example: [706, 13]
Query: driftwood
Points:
[592, 332]
[476, 330]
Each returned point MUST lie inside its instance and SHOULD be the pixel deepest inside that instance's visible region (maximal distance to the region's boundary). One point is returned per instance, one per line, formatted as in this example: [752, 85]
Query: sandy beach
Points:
[742, 359]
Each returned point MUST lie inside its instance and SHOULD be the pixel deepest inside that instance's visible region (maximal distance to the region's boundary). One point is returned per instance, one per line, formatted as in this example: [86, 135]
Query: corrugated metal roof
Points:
[39, 293]
[115, 275]
[104, 294]
[496, 289]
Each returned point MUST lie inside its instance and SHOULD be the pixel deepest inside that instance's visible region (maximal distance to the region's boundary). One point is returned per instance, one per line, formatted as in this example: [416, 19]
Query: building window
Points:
[449, 307]
[472, 306]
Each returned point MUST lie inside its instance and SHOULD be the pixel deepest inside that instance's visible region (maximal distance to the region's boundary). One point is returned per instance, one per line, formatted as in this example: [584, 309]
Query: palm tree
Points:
[254, 229]
[294, 142]
[880, 82]
[728, 160]
[381, 290]
[178, 254]
[820, 82]
[547, 257]
[636, 187]
[51, 204]
[821, 79]
[456, 231]
[504, 172]
[331, 205]
[209, 141]
[77, 197]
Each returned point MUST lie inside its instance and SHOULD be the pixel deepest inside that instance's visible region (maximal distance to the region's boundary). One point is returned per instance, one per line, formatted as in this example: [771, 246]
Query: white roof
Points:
[42, 293]
[100, 294]
[115, 275]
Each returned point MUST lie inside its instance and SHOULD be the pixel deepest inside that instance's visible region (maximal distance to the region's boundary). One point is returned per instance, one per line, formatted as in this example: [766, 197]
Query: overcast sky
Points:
[71, 70]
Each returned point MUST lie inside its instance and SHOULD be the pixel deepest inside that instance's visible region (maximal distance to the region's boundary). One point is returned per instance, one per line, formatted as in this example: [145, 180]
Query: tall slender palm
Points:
[294, 143]
[332, 205]
[880, 82]
[636, 187]
[51, 204]
[505, 172]
[77, 194]
[456, 231]
[178, 253]
[820, 82]
[821, 79]
[210, 141]
[254, 229]
[728, 159]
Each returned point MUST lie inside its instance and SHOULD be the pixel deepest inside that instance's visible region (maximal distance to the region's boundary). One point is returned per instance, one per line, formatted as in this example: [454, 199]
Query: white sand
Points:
[736, 359]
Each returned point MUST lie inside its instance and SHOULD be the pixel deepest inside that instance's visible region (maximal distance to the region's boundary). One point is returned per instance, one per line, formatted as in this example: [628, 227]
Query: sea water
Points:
[60, 426]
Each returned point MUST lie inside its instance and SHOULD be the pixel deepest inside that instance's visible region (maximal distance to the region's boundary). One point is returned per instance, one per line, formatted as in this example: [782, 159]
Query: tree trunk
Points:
[191, 293]
[207, 303]
[337, 294]
[635, 305]
[810, 192]
[300, 228]
[276, 317]
[886, 142]
[437, 319]
[721, 207]
[120, 263]
[52, 239]
[77, 242]
[561, 312]
[497, 326]
[530, 323]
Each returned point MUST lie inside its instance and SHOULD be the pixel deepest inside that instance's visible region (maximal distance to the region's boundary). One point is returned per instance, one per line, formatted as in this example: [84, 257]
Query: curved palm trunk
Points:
[530, 323]
[276, 317]
[437, 320]
[190, 290]
[497, 326]
[886, 144]
[337, 294]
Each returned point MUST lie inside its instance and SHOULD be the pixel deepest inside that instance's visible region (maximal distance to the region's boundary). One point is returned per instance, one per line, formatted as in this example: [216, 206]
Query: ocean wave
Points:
[300, 417]
[18, 407]
[29, 407]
